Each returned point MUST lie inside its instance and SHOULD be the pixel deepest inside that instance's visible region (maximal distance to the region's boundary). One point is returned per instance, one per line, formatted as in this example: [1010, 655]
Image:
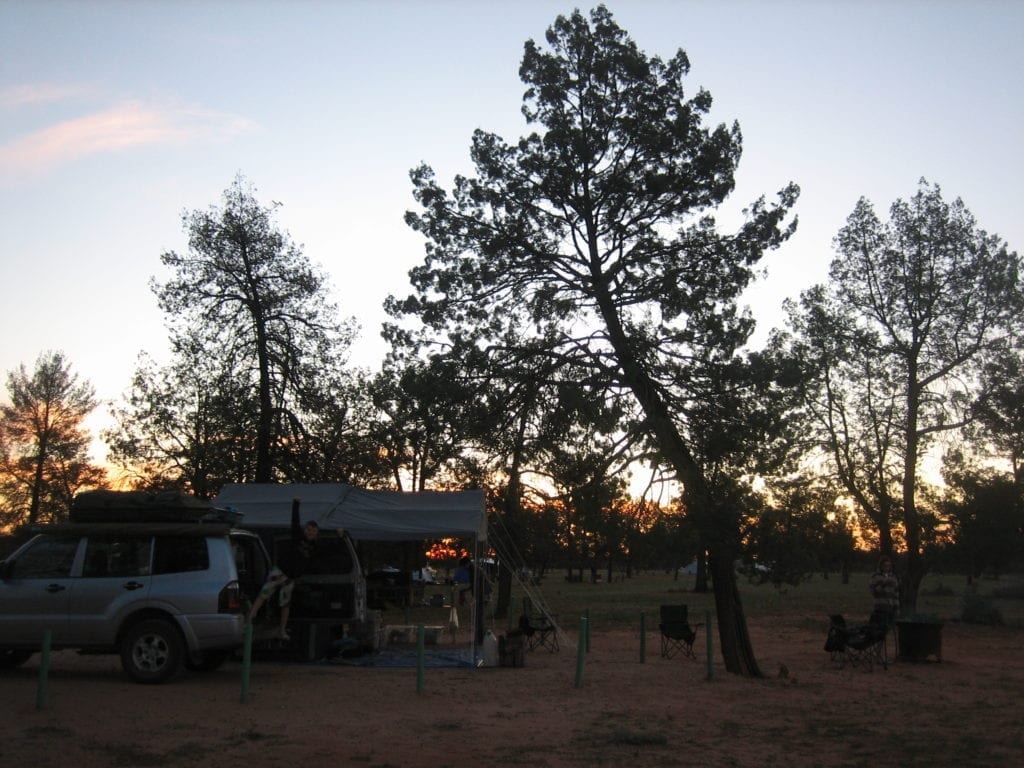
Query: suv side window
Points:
[180, 554]
[117, 556]
[48, 558]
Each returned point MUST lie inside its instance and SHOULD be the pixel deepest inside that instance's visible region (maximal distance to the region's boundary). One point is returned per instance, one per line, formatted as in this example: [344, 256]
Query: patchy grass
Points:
[619, 604]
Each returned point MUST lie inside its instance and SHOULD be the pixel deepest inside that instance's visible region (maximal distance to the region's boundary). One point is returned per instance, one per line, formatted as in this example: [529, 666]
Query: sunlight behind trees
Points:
[44, 457]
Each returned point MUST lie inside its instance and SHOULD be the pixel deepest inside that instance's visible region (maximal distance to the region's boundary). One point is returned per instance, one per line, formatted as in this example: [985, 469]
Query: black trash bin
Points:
[919, 640]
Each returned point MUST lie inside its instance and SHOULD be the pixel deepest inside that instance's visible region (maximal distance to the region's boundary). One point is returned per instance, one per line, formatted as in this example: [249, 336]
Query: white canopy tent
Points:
[365, 514]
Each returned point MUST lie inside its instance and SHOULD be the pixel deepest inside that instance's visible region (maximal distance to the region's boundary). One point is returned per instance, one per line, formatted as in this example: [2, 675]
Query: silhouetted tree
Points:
[985, 511]
[188, 425]
[44, 447]
[243, 292]
[999, 412]
[593, 240]
[894, 344]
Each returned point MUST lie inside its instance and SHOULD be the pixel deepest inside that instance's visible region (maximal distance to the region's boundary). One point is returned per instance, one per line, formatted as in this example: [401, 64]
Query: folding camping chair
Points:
[676, 632]
[863, 645]
[538, 627]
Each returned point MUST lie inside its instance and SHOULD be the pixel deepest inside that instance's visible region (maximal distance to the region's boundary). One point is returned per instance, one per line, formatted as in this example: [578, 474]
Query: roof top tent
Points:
[367, 514]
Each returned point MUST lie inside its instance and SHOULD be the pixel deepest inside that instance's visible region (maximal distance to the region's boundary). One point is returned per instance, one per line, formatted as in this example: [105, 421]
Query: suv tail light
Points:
[230, 599]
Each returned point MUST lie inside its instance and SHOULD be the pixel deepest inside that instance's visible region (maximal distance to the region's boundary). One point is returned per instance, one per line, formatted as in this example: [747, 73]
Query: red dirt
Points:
[966, 710]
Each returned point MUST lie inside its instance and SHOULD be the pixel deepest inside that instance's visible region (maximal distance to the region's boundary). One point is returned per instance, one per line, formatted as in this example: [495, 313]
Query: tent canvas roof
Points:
[365, 514]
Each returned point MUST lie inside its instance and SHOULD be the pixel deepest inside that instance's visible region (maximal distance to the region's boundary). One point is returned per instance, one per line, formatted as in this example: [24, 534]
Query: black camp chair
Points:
[863, 645]
[676, 632]
[538, 627]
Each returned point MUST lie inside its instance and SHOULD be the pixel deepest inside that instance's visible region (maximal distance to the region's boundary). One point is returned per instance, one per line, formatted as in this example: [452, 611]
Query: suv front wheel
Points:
[152, 651]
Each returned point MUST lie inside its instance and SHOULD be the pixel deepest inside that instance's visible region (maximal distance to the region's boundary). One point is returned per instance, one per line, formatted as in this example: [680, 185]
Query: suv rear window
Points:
[179, 554]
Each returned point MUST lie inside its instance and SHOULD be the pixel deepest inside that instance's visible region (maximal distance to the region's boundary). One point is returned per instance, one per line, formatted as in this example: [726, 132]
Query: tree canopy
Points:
[256, 389]
[894, 345]
[591, 243]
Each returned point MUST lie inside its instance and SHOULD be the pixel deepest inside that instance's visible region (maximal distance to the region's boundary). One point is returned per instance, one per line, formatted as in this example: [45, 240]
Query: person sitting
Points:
[277, 581]
[296, 561]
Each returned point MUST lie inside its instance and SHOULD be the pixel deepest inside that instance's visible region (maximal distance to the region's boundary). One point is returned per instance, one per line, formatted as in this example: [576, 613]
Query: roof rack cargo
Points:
[145, 507]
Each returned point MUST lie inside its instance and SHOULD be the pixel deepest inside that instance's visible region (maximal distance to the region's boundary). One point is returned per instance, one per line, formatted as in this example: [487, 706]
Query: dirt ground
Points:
[967, 710]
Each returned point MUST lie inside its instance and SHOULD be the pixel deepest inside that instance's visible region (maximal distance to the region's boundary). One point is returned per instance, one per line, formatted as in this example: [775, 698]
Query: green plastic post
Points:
[587, 613]
[43, 693]
[581, 651]
[246, 662]
[643, 637]
[421, 634]
[707, 627]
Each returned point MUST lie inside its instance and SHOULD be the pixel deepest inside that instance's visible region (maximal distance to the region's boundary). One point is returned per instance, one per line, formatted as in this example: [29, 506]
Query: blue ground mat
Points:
[406, 657]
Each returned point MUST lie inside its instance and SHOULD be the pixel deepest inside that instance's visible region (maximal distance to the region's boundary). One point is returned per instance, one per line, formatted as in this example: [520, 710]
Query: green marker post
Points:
[420, 643]
[246, 662]
[643, 637]
[43, 692]
[581, 651]
[707, 627]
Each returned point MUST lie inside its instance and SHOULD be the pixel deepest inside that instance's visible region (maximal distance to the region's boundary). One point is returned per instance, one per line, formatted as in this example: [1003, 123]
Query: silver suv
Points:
[162, 595]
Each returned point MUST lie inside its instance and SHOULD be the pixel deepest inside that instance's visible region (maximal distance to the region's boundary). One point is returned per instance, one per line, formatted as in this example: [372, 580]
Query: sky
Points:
[118, 117]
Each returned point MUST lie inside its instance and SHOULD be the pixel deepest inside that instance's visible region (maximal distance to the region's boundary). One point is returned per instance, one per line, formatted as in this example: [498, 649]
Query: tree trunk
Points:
[513, 513]
[714, 526]
[504, 598]
[720, 531]
[737, 650]
[700, 584]
[911, 583]
[264, 427]
[37, 482]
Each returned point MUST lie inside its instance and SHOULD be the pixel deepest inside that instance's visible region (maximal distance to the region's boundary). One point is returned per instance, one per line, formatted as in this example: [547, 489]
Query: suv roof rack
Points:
[211, 528]
[144, 507]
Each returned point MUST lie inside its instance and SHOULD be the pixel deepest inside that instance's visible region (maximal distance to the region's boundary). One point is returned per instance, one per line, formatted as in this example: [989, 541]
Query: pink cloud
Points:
[125, 126]
[40, 93]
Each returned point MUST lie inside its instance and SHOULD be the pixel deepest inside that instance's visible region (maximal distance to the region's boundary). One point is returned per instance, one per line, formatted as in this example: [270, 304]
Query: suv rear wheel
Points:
[152, 651]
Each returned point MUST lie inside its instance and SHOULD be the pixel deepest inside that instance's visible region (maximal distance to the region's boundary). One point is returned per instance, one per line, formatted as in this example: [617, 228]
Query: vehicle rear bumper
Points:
[213, 630]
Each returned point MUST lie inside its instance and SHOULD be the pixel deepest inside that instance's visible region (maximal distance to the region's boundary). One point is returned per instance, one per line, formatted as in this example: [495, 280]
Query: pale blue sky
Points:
[117, 116]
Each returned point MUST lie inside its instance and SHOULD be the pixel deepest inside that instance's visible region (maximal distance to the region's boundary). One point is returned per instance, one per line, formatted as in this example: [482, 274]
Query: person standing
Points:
[885, 589]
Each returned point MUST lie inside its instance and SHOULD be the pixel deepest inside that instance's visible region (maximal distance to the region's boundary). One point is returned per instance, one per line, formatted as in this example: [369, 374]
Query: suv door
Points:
[251, 562]
[116, 576]
[36, 590]
[333, 589]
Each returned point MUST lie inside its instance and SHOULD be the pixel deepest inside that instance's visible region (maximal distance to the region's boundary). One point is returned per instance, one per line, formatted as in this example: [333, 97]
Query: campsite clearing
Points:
[966, 710]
